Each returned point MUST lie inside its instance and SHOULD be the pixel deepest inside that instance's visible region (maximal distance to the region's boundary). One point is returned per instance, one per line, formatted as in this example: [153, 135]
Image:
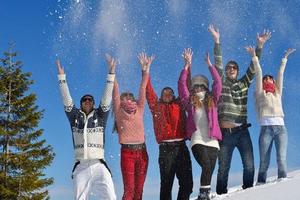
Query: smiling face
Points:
[167, 95]
[232, 70]
[87, 104]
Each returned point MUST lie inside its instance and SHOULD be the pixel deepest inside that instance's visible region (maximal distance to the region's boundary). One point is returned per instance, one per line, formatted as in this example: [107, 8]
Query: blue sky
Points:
[80, 32]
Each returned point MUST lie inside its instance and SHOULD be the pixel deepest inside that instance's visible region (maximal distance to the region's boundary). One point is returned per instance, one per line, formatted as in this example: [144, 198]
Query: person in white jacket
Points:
[90, 172]
[271, 117]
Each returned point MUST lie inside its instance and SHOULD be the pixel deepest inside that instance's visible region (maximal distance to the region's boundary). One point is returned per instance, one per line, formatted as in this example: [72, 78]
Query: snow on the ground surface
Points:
[286, 189]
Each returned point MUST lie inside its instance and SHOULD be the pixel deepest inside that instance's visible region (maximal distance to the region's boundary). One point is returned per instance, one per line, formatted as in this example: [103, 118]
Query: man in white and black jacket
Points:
[88, 124]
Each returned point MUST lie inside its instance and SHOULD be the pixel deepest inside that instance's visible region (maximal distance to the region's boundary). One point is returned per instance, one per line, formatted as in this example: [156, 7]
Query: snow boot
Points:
[204, 194]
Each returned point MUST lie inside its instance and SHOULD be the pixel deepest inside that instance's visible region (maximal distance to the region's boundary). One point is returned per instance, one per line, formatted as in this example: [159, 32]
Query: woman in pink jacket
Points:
[202, 122]
[129, 116]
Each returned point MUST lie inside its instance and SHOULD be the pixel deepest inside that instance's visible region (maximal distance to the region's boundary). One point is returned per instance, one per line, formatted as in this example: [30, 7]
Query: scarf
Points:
[129, 106]
[269, 87]
[201, 95]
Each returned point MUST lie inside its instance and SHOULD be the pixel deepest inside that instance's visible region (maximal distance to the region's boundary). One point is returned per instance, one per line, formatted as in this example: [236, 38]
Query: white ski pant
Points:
[93, 178]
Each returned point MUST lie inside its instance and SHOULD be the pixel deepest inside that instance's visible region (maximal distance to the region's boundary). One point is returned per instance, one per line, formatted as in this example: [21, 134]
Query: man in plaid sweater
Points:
[232, 111]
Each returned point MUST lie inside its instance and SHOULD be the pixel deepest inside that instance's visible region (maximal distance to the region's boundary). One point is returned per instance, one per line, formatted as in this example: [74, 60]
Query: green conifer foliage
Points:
[24, 155]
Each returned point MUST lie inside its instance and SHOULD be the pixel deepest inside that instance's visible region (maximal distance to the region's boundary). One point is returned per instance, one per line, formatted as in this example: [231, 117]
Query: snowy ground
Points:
[286, 189]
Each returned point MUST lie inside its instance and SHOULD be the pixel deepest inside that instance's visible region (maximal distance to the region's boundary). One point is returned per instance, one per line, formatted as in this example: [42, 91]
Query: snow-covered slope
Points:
[287, 189]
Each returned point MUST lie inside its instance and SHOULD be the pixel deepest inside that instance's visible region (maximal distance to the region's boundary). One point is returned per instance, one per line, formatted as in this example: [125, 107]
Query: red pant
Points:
[134, 165]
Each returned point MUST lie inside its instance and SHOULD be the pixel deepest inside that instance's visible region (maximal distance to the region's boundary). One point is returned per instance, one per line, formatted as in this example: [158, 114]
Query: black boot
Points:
[204, 194]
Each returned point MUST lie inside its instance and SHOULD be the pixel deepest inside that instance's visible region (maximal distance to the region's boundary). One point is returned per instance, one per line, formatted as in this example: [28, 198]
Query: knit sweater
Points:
[233, 101]
[269, 104]
[130, 127]
[87, 130]
[168, 118]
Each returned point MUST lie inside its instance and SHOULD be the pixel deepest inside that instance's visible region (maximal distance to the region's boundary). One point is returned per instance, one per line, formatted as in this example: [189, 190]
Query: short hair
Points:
[125, 94]
[268, 76]
[164, 89]
[87, 95]
[232, 62]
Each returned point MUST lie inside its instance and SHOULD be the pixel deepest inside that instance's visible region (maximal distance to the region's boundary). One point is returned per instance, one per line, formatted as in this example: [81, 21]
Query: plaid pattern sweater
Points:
[233, 102]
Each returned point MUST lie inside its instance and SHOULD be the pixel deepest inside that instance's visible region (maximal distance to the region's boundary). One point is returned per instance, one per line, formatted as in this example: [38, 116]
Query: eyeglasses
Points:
[87, 99]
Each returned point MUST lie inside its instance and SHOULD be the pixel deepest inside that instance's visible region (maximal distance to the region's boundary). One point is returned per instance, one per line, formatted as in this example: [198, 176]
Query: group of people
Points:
[214, 120]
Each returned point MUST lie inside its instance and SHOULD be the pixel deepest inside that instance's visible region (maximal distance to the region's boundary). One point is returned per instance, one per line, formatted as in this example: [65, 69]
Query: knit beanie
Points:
[200, 80]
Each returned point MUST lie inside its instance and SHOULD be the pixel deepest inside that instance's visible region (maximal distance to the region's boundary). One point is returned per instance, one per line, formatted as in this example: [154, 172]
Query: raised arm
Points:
[151, 96]
[255, 61]
[116, 96]
[145, 62]
[215, 33]
[261, 40]
[217, 81]
[107, 95]
[183, 89]
[64, 89]
[279, 80]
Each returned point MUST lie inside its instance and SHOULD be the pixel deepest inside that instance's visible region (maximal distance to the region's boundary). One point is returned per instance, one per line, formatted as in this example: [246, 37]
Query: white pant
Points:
[93, 178]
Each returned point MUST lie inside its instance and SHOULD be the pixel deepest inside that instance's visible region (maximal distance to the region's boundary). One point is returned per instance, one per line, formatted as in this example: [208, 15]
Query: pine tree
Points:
[23, 154]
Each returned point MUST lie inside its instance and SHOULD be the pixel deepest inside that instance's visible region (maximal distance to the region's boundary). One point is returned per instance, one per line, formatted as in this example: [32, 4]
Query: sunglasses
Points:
[201, 87]
[87, 99]
[231, 67]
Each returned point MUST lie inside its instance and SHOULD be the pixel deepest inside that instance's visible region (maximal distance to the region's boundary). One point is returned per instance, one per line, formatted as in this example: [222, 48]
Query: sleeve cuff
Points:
[61, 77]
[110, 77]
[255, 59]
[284, 60]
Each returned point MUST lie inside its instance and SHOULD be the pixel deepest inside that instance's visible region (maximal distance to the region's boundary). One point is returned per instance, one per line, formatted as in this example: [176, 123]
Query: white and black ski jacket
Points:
[87, 130]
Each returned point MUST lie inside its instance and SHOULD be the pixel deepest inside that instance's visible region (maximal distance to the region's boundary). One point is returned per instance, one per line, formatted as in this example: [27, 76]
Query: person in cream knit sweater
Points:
[269, 107]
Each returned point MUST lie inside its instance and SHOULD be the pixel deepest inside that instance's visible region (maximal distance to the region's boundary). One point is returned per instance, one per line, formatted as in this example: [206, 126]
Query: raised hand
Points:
[60, 69]
[215, 33]
[251, 50]
[288, 52]
[207, 59]
[112, 63]
[187, 56]
[145, 61]
[262, 38]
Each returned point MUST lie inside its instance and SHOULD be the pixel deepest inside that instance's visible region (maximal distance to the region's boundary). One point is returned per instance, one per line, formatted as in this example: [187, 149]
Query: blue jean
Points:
[268, 135]
[240, 139]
